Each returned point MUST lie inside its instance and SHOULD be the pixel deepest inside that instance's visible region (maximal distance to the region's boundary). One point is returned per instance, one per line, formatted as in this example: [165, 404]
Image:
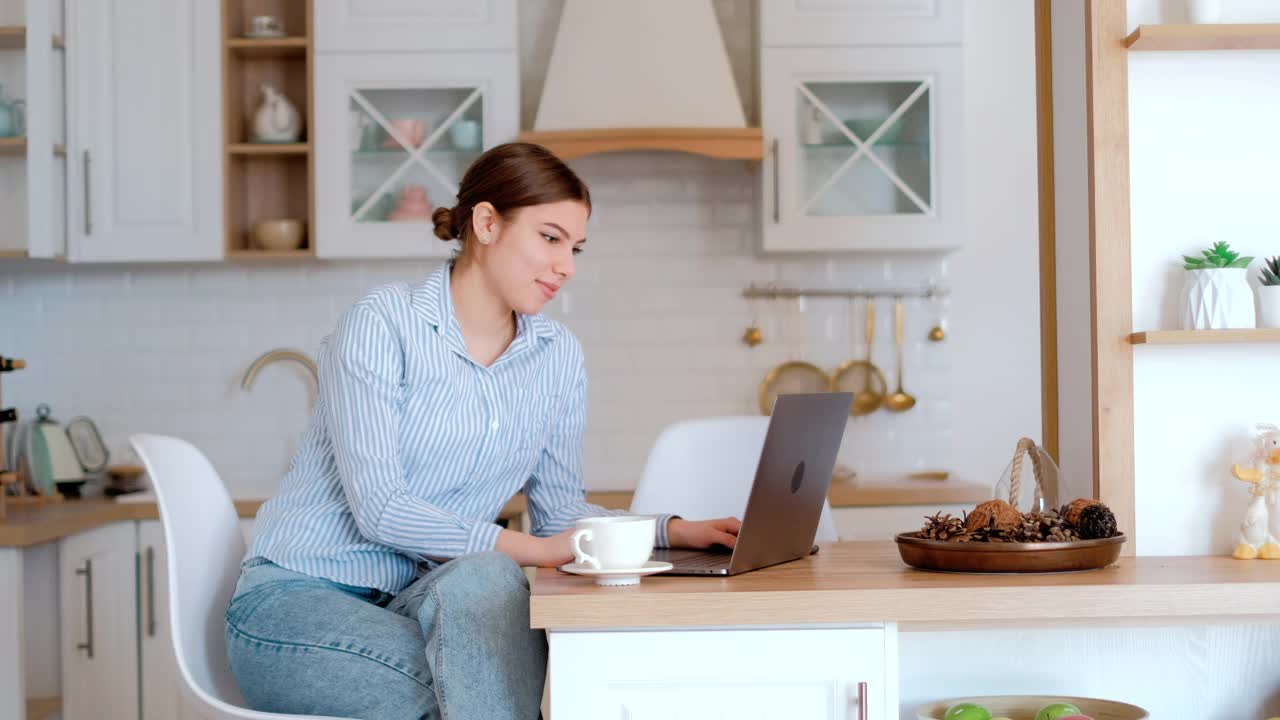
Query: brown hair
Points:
[510, 177]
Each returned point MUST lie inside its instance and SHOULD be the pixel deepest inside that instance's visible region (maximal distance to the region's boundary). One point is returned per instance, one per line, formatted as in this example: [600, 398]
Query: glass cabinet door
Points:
[863, 148]
[408, 149]
[393, 142]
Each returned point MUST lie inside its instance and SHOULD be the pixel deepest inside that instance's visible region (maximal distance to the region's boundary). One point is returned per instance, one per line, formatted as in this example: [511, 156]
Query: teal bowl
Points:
[864, 127]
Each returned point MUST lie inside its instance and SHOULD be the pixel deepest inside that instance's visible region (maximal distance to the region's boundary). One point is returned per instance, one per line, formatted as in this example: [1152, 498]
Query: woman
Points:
[379, 585]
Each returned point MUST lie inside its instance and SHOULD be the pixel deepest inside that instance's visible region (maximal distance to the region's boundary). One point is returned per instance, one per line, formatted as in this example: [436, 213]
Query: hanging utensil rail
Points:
[773, 292]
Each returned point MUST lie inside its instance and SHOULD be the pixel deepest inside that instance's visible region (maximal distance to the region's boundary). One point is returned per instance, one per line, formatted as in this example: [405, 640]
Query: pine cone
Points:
[993, 514]
[944, 527]
[1096, 521]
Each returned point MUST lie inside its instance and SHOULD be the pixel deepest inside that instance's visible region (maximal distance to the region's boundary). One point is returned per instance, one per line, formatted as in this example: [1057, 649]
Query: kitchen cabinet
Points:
[864, 148]
[806, 23]
[774, 673]
[33, 160]
[394, 134]
[162, 696]
[97, 581]
[144, 124]
[396, 25]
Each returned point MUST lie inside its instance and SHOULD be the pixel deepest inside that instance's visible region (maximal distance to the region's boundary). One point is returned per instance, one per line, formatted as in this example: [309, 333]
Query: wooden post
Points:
[1111, 279]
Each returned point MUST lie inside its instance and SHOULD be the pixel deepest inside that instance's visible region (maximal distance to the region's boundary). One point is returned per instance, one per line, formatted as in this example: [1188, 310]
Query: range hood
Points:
[642, 75]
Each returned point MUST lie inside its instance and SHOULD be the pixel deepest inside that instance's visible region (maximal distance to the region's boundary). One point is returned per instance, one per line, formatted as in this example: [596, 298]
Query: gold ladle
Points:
[900, 400]
[868, 400]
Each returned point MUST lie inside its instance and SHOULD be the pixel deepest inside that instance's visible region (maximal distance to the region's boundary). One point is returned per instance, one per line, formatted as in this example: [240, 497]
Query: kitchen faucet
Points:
[280, 354]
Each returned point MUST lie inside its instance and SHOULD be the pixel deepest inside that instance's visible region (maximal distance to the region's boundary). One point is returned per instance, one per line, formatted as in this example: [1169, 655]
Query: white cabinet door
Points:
[97, 581]
[145, 119]
[812, 23]
[743, 674]
[162, 696]
[865, 146]
[414, 25]
[394, 134]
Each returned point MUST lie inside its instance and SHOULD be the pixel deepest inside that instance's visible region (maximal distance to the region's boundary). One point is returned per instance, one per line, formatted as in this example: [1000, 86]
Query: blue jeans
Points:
[456, 644]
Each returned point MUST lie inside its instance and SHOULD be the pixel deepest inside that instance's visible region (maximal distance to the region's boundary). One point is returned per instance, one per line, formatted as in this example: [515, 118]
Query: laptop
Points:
[792, 479]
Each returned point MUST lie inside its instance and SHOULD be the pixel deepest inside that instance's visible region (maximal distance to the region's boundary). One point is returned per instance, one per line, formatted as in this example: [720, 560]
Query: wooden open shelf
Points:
[14, 37]
[13, 146]
[41, 708]
[254, 254]
[269, 149]
[269, 47]
[266, 181]
[723, 143]
[1205, 337]
[12, 254]
[1204, 37]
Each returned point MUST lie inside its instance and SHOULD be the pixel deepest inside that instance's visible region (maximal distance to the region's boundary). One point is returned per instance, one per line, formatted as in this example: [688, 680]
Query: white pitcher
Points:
[276, 120]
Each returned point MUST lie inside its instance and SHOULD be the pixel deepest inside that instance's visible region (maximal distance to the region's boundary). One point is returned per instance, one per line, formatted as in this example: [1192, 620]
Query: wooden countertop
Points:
[867, 582]
[33, 524]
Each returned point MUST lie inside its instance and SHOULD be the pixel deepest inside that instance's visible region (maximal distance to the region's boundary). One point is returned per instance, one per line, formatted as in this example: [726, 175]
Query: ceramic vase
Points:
[1204, 11]
[1217, 299]
[1269, 306]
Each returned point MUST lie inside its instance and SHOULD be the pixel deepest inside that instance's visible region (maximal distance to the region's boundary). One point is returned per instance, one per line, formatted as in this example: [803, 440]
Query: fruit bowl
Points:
[1024, 707]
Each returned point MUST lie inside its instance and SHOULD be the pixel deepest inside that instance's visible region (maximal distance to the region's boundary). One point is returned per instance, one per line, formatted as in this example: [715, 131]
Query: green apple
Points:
[967, 711]
[1054, 711]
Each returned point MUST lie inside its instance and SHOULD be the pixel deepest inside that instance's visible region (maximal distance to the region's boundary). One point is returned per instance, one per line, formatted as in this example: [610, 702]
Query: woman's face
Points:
[530, 255]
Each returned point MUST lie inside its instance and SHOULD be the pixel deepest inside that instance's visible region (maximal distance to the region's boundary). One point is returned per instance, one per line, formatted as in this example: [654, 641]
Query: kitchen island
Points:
[822, 632]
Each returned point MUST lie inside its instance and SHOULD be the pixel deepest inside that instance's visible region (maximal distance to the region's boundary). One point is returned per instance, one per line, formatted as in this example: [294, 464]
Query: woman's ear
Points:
[485, 221]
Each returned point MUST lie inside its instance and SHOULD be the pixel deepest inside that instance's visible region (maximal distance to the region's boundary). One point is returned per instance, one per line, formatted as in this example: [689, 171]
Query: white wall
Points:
[657, 305]
[1071, 222]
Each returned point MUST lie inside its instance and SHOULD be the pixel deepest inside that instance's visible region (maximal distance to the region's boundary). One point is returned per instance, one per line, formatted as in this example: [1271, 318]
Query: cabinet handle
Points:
[774, 151]
[151, 592]
[88, 197]
[862, 702]
[87, 572]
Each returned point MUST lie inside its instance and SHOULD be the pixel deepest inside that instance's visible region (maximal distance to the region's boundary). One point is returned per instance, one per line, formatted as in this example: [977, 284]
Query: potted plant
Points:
[1269, 294]
[1217, 295]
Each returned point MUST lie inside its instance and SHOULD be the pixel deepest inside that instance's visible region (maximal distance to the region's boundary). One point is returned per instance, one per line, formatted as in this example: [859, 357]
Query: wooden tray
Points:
[1024, 707]
[988, 557]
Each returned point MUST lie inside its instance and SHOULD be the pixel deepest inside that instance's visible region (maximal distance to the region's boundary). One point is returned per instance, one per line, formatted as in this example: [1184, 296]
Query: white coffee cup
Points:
[614, 543]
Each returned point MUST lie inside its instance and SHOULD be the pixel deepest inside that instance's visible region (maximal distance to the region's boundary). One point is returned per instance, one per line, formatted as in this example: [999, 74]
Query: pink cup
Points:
[415, 131]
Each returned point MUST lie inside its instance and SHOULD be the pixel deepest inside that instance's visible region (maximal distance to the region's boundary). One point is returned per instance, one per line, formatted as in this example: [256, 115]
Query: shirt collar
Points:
[433, 301]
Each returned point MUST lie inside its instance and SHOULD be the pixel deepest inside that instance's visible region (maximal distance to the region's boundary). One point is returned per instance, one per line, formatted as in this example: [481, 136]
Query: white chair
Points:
[202, 532]
[702, 469]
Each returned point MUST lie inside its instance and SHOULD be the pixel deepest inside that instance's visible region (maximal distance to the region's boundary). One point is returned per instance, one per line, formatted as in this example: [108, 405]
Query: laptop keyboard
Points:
[693, 558]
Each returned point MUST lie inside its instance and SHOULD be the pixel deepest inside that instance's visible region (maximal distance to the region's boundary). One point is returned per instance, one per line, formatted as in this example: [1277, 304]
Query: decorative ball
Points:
[1057, 711]
[1071, 513]
[967, 711]
[1096, 521]
[993, 512]
[1076, 717]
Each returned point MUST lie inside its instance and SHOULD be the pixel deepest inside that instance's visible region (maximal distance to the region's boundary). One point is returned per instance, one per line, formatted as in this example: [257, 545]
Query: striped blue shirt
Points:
[414, 448]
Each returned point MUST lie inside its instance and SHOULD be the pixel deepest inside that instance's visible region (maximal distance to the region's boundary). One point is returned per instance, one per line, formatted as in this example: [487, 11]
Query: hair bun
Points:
[443, 219]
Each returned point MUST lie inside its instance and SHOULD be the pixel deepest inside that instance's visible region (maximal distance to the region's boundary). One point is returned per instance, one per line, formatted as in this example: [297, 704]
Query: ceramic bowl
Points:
[281, 234]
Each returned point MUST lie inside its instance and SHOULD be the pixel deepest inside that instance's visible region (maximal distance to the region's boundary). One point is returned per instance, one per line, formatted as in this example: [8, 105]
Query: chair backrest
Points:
[205, 547]
[704, 468]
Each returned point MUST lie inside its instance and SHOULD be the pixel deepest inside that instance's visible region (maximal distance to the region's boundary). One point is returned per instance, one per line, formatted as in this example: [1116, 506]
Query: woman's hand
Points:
[530, 551]
[701, 534]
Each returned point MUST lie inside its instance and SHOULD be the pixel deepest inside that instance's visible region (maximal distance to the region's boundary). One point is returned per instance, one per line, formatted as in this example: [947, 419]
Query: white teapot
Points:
[276, 119]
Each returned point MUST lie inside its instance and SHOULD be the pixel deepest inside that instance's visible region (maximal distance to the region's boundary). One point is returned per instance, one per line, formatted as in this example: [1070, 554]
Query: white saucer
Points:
[262, 34]
[627, 576]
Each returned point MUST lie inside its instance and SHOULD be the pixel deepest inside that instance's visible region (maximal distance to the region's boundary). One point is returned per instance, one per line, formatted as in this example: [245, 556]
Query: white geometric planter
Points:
[1204, 11]
[1269, 306]
[1217, 299]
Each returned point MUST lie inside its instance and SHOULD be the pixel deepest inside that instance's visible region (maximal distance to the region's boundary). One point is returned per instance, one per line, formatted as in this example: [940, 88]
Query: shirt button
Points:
[493, 425]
